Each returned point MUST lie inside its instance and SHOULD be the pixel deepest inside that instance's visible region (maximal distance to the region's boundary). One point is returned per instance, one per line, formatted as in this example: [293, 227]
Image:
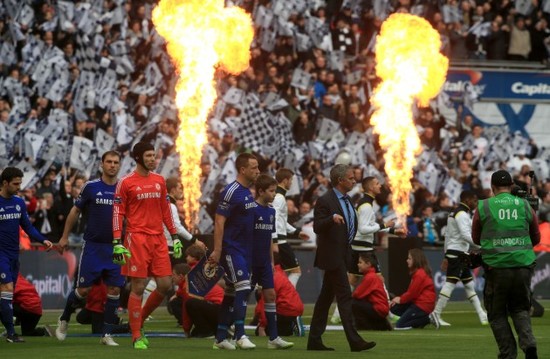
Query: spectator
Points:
[370, 301]
[520, 40]
[414, 306]
[27, 309]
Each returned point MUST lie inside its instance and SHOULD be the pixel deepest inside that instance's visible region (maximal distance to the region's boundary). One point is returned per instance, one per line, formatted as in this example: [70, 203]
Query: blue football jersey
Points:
[264, 227]
[96, 203]
[13, 213]
[237, 206]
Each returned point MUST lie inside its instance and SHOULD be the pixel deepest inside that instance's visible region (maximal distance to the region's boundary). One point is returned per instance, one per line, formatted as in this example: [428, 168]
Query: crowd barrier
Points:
[53, 274]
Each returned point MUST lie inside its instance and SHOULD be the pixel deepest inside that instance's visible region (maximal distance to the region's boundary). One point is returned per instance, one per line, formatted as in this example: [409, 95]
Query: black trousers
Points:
[174, 308]
[335, 284]
[366, 318]
[97, 321]
[204, 316]
[507, 292]
[28, 322]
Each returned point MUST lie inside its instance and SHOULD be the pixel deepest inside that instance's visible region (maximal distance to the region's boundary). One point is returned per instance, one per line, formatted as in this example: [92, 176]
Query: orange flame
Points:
[411, 68]
[201, 36]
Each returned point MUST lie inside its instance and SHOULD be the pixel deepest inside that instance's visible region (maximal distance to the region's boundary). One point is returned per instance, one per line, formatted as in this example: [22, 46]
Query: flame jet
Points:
[202, 36]
[412, 70]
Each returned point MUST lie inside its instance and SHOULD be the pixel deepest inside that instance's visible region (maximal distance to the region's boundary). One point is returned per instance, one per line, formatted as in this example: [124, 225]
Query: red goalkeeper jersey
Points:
[143, 201]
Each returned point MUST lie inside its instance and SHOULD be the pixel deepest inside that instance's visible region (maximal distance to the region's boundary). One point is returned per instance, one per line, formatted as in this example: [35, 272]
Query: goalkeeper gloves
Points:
[119, 253]
[178, 247]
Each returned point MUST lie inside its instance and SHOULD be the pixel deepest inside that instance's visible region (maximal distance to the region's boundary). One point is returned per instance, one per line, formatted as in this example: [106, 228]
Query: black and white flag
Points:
[65, 10]
[327, 128]
[453, 188]
[7, 54]
[33, 143]
[170, 166]
[303, 42]
[207, 188]
[82, 153]
[354, 77]
[206, 224]
[524, 7]
[26, 16]
[29, 172]
[234, 96]
[263, 17]
[300, 79]
[267, 39]
[103, 141]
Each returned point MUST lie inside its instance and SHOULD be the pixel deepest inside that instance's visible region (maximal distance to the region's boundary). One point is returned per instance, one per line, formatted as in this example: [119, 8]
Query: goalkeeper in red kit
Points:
[141, 202]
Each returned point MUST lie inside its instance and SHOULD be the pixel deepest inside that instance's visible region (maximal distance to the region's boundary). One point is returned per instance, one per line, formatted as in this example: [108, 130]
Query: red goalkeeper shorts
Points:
[150, 257]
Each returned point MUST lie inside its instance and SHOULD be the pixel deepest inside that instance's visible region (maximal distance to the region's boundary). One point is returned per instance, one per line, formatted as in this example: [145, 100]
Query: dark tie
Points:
[351, 218]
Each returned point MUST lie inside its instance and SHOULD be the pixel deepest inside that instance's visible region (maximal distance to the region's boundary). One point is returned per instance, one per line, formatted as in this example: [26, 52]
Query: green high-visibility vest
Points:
[505, 241]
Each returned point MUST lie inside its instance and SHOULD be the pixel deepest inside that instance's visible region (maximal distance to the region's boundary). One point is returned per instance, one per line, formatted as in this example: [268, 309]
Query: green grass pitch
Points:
[465, 339]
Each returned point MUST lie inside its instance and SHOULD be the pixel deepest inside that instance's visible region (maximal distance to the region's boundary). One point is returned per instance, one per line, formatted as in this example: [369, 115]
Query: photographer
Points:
[507, 228]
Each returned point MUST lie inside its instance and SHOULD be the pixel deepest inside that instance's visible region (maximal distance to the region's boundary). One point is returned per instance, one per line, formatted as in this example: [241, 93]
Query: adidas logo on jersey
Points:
[99, 194]
[138, 188]
[1, 209]
[261, 219]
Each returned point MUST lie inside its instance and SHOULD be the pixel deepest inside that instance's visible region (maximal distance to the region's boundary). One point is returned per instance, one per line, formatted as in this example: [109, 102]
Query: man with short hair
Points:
[289, 262]
[175, 193]
[142, 202]
[13, 214]
[233, 232]
[96, 202]
[367, 227]
[335, 223]
[458, 242]
[506, 228]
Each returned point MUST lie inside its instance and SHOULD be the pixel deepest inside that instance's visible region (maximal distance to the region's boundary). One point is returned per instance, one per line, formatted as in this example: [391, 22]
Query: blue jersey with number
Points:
[96, 203]
[264, 227]
[237, 206]
[13, 213]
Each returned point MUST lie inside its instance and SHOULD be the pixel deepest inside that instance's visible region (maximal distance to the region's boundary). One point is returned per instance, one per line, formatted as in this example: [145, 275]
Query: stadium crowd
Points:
[97, 74]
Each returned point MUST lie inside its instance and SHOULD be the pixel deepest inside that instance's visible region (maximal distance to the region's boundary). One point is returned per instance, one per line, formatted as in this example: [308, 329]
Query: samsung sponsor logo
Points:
[10, 216]
[264, 226]
[148, 195]
[530, 90]
[104, 201]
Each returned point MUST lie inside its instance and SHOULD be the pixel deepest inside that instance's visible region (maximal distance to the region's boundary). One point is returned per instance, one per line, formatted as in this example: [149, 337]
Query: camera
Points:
[532, 200]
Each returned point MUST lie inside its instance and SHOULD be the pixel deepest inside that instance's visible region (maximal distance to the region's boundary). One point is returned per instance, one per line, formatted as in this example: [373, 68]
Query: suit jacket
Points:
[333, 248]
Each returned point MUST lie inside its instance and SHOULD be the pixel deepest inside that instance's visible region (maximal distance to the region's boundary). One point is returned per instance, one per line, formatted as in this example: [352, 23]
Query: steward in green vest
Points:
[505, 240]
[506, 228]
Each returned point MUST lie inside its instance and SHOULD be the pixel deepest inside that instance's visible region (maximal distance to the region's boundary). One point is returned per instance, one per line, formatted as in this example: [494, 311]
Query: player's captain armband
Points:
[223, 205]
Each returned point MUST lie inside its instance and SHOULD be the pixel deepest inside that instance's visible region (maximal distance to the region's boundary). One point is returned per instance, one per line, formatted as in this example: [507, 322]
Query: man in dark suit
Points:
[335, 224]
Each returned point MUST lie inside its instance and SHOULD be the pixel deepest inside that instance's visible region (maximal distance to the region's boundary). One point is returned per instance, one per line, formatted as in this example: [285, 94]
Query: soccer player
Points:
[141, 200]
[289, 262]
[175, 192]
[233, 230]
[262, 256]
[96, 202]
[13, 213]
[458, 241]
